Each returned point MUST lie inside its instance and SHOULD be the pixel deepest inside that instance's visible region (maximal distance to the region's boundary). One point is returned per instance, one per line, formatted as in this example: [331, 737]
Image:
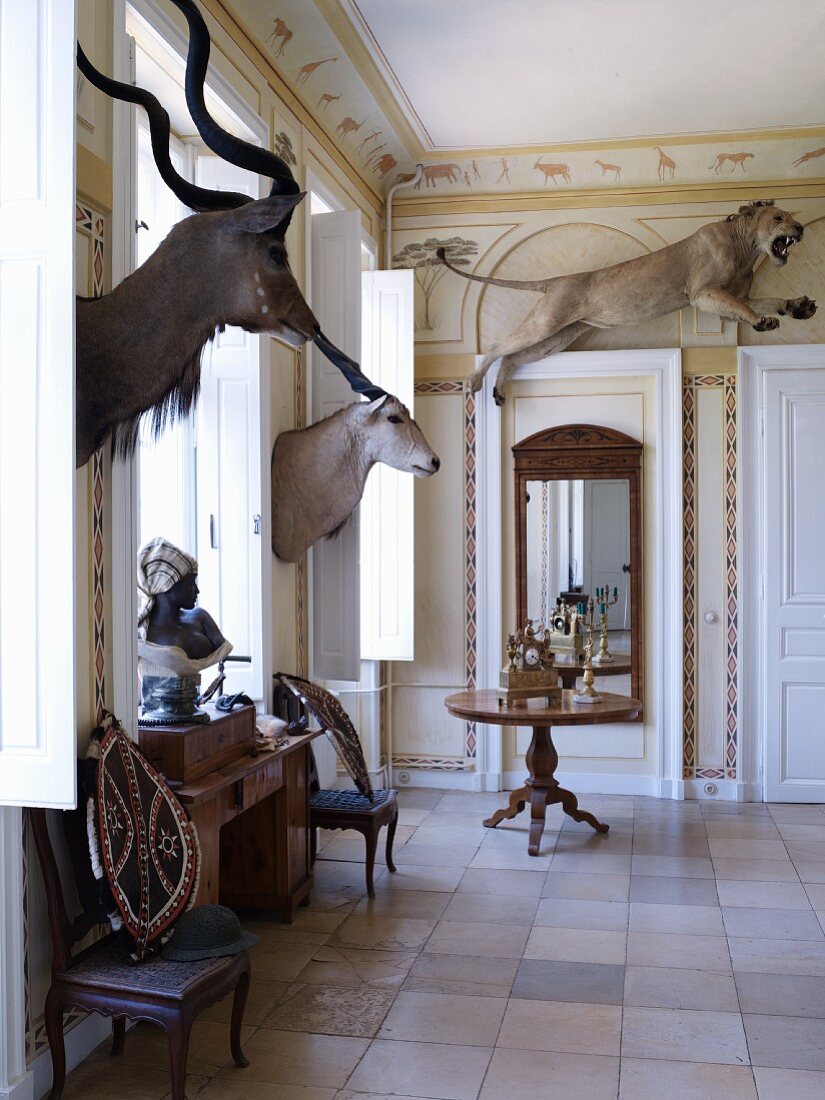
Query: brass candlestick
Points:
[606, 601]
[586, 693]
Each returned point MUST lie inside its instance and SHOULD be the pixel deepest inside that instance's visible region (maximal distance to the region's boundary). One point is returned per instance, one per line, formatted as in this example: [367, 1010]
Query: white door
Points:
[607, 544]
[793, 620]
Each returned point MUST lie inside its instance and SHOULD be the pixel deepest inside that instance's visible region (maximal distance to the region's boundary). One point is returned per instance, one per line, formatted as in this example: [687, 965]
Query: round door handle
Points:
[711, 618]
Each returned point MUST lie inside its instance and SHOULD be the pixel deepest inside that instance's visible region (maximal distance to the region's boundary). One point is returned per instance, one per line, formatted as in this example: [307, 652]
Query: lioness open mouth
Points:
[781, 246]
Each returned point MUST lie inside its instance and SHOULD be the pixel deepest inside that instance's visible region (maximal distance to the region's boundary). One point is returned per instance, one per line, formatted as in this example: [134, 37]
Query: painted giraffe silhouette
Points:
[616, 169]
[282, 31]
[306, 71]
[370, 137]
[667, 166]
[326, 99]
[734, 158]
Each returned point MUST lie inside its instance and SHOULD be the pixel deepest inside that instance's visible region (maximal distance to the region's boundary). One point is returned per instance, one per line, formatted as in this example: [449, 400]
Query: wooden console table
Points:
[541, 789]
[252, 818]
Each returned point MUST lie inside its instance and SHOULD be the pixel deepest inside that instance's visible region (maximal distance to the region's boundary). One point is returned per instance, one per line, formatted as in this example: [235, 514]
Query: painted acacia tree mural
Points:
[429, 270]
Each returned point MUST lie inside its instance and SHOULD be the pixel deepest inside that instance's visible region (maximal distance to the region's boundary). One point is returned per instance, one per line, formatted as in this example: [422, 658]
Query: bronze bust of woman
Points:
[176, 639]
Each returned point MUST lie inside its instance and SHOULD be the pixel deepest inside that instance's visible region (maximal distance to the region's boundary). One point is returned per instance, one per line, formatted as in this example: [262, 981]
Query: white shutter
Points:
[336, 292]
[37, 455]
[229, 461]
[387, 528]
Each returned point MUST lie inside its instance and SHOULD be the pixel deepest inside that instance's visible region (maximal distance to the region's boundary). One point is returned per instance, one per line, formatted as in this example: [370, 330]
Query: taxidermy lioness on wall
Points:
[712, 270]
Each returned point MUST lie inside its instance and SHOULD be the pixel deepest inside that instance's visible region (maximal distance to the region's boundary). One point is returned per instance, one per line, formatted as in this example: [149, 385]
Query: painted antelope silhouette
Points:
[735, 159]
[282, 31]
[384, 164]
[433, 172]
[139, 347]
[667, 166]
[374, 155]
[812, 155]
[306, 71]
[616, 169]
[326, 99]
[553, 170]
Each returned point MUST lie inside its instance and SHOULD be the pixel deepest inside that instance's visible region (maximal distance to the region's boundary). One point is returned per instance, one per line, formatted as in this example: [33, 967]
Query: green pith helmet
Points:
[206, 932]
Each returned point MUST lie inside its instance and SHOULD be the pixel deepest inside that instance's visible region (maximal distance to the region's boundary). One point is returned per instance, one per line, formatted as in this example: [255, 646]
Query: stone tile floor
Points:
[681, 955]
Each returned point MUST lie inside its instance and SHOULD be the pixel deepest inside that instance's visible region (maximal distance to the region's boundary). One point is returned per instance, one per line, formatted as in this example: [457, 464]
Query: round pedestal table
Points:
[541, 788]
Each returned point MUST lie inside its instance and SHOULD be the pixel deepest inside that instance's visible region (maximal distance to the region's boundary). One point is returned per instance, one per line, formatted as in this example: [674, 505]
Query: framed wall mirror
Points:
[578, 529]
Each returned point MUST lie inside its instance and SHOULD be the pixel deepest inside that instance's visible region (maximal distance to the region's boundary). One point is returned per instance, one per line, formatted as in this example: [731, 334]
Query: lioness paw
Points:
[765, 324]
[801, 308]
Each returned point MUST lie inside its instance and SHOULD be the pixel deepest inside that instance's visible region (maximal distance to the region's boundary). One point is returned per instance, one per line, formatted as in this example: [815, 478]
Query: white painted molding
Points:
[15, 1081]
[665, 367]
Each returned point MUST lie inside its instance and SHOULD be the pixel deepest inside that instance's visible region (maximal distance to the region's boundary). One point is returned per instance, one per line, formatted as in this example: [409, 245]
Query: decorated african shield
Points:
[149, 847]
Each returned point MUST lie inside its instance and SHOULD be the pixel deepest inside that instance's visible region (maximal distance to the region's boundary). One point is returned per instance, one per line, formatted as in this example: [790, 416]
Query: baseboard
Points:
[595, 783]
[20, 1089]
[726, 790]
[80, 1042]
[428, 777]
[673, 789]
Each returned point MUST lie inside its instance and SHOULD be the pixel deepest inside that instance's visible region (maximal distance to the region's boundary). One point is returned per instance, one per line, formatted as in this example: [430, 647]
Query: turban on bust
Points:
[160, 565]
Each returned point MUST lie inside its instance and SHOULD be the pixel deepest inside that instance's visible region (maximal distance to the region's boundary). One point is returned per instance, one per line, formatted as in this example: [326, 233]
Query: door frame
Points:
[754, 364]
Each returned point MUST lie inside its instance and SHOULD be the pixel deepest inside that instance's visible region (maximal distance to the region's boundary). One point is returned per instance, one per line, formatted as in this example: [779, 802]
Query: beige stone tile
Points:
[806, 850]
[446, 1018]
[585, 841]
[332, 1010]
[576, 945]
[652, 1079]
[458, 836]
[464, 974]
[535, 1074]
[781, 994]
[738, 828]
[816, 895]
[514, 858]
[282, 962]
[789, 1084]
[419, 798]
[786, 1042]
[311, 921]
[592, 863]
[121, 1080]
[241, 1088]
[794, 831]
[342, 877]
[670, 987]
[684, 1036]
[496, 941]
[511, 884]
[676, 950]
[147, 1048]
[426, 905]
[773, 924]
[409, 816]
[435, 877]
[787, 813]
[459, 819]
[763, 895]
[562, 1026]
[421, 1069]
[263, 996]
[681, 847]
[581, 983]
[755, 870]
[748, 849]
[587, 887]
[352, 966]
[382, 933]
[607, 916]
[672, 890]
[694, 920]
[481, 802]
[774, 956]
[810, 870]
[272, 936]
[295, 1058]
[437, 855]
[492, 909]
[681, 866]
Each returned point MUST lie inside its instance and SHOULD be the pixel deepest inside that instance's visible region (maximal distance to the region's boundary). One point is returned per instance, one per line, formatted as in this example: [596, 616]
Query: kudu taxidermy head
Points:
[319, 473]
[139, 347]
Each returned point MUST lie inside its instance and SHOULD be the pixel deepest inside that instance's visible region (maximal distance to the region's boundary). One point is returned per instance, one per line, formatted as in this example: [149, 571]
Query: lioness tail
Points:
[537, 285]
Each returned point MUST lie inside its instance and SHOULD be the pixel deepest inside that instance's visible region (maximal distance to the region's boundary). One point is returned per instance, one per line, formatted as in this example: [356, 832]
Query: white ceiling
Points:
[495, 73]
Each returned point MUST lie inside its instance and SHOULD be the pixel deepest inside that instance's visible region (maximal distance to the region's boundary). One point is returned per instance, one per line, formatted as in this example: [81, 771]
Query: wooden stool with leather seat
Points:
[365, 810]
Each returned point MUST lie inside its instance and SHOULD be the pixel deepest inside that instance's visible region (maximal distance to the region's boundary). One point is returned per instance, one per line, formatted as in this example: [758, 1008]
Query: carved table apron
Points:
[541, 789]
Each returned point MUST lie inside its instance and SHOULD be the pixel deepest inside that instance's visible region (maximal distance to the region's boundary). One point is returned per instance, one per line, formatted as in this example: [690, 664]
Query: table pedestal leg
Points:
[541, 790]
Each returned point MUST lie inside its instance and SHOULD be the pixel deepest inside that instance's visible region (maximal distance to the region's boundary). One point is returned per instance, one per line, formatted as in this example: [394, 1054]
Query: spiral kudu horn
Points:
[196, 198]
[225, 145]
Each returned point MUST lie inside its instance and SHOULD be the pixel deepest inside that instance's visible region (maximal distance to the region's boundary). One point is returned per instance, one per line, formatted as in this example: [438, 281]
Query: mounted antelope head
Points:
[139, 347]
[319, 473]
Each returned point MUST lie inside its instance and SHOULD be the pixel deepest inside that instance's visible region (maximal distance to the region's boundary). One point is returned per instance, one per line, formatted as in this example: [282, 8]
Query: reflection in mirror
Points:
[578, 541]
[579, 533]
